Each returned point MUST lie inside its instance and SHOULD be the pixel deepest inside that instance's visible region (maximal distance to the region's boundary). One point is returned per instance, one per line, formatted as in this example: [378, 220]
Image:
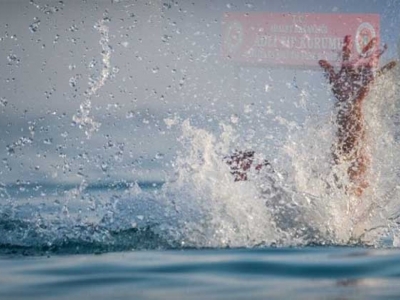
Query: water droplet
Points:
[159, 156]
[35, 25]
[73, 28]
[72, 82]
[13, 59]
[115, 70]
[104, 167]
[119, 156]
[130, 114]
[92, 64]
[167, 5]
[48, 141]
[165, 38]
[65, 210]
[248, 109]
[182, 82]
[10, 150]
[155, 70]
[3, 101]
[234, 118]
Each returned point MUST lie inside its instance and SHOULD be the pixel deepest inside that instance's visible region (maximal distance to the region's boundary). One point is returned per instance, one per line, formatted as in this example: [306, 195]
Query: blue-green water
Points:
[269, 273]
[140, 241]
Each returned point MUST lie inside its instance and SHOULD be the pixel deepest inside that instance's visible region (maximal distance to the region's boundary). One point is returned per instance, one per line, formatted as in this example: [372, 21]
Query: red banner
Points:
[294, 39]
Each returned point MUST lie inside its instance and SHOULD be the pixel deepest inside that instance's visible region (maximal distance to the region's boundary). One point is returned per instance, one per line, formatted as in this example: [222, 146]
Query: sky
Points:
[151, 61]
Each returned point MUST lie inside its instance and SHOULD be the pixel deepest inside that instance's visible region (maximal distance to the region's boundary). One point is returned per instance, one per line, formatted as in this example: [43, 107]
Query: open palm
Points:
[355, 77]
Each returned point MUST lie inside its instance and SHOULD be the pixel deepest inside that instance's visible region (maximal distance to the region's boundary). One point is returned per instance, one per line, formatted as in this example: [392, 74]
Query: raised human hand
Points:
[353, 80]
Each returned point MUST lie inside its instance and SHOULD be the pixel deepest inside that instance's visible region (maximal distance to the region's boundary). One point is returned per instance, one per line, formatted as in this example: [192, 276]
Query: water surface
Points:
[268, 273]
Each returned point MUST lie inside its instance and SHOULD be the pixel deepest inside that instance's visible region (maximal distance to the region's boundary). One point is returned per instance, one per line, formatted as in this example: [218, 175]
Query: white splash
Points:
[211, 209]
[83, 117]
[301, 205]
[346, 218]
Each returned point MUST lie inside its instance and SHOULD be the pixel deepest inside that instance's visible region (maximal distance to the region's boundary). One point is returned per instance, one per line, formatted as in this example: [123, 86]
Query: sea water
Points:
[265, 273]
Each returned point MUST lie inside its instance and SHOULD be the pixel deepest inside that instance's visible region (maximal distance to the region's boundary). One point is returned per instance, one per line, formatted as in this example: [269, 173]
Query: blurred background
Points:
[97, 90]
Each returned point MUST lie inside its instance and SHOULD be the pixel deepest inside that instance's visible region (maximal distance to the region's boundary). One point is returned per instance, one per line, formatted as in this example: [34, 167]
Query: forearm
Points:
[361, 95]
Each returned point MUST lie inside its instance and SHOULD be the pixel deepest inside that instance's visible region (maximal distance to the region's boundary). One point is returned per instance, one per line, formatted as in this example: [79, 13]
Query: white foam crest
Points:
[83, 117]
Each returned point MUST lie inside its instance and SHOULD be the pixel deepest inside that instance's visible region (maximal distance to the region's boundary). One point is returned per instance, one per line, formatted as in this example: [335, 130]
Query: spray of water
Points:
[83, 117]
[367, 219]
[212, 210]
[307, 205]
[300, 202]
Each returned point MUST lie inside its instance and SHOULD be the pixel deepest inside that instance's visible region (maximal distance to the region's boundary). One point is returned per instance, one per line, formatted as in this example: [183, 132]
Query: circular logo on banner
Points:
[234, 36]
[365, 32]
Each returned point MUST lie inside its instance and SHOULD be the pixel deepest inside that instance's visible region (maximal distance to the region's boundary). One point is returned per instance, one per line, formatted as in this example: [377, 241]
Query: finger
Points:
[329, 71]
[386, 68]
[362, 94]
[347, 45]
[380, 52]
[370, 45]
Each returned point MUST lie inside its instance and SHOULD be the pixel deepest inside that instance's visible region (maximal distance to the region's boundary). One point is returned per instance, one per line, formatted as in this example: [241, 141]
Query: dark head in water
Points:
[242, 162]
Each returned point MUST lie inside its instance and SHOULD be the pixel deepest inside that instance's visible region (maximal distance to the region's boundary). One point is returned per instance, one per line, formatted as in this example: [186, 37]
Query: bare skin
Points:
[350, 86]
